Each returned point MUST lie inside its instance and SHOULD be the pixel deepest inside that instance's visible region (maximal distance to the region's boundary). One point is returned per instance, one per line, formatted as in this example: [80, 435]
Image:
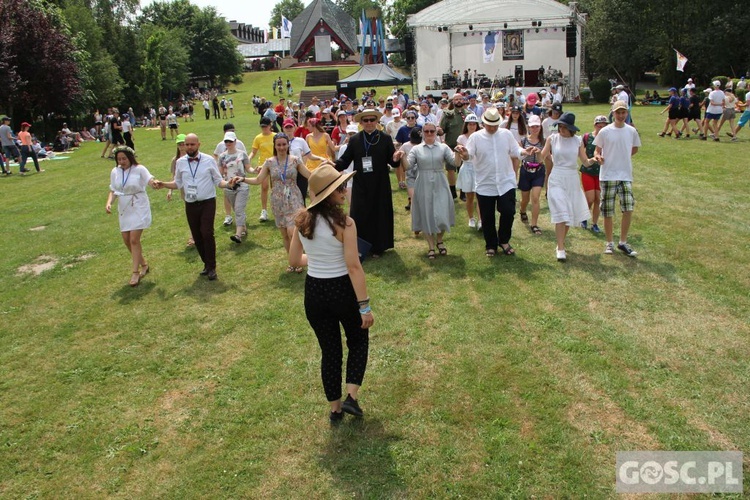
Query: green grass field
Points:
[488, 378]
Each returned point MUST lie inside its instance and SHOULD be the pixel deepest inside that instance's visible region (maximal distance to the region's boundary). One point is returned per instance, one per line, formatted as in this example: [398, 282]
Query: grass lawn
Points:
[504, 378]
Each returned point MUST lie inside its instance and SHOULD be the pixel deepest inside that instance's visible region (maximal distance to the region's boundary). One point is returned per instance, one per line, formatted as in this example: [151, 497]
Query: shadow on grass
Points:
[360, 459]
[600, 266]
[128, 294]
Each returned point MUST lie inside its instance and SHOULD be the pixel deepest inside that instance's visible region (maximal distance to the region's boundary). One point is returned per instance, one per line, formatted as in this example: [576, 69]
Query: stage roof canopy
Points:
[374, 75]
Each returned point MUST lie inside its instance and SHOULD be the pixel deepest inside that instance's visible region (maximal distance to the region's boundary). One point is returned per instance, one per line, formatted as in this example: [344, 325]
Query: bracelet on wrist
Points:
[364, 302]
[365, 310]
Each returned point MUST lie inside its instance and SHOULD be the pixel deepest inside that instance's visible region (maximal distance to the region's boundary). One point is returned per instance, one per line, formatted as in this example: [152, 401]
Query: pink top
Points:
[25, 138]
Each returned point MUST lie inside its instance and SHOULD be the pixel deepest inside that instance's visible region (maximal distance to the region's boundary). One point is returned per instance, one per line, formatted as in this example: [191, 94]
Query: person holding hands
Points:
[128, 181]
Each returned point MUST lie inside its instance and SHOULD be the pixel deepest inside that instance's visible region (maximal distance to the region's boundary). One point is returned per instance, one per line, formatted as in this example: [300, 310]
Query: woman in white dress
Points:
[466, 176]
[566, 200]
[432, 210]
[128, 181]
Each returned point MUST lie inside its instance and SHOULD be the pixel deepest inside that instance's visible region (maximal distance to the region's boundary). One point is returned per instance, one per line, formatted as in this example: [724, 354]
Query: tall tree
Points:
[397, 12]
[616, 48]
[288, 8]
[214, 50]
[355, 7]
[36, 56]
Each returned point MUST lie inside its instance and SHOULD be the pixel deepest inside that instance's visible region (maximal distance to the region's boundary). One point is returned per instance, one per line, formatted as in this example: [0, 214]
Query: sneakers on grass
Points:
[627, 250]
[595, 229]
[472, 222]
[228, 220]
[263, 215]
[609, 248]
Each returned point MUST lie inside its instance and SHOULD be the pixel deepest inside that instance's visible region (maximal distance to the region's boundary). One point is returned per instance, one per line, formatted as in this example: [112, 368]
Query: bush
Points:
[741, 94]
[601, 90]
[722, 79]
[585, 96]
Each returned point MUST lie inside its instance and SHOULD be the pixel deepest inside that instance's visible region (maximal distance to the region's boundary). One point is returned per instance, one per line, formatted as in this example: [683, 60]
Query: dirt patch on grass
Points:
[80, 258]
[596, 414]
[40, 264]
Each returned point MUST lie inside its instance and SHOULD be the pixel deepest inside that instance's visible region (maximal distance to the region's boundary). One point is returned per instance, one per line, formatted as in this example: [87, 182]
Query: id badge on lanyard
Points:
[191, 193]
[367, 165]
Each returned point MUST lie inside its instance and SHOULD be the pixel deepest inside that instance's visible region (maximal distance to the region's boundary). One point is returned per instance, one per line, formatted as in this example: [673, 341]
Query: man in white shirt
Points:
[314, 107]
[714, 110]
[615, 145]
[424, 115]
[556, 95]
[197, 174]
[495, 155]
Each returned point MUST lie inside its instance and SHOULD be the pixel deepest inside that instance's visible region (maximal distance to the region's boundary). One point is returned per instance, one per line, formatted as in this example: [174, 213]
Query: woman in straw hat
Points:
[335, 288]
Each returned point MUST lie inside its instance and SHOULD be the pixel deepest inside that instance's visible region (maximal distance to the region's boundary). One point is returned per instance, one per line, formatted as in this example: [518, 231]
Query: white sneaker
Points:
[472, 222]
[561, 257]
[263, 215]
[609, 249]
[228, 220]
[479, 224]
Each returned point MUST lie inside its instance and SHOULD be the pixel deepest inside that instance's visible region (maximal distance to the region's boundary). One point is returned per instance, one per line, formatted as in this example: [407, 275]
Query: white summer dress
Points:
[565, 197]
[133, 206]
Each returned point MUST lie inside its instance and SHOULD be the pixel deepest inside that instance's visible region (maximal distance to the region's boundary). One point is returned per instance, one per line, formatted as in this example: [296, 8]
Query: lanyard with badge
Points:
[287, 191]
[367, 160]
[191, 190]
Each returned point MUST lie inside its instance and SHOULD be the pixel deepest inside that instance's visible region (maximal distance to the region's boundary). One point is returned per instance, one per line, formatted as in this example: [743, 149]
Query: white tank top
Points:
[325, 254]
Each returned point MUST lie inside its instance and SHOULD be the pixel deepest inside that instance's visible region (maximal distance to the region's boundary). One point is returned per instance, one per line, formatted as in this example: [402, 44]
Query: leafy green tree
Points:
[397, 12]
[615, 47]
[38, 59]
[288, 8]
[214, 50]
[355, 7]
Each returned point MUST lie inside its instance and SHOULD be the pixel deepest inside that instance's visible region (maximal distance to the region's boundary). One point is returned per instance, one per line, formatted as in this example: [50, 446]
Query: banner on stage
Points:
[489, 46]
[512, 45]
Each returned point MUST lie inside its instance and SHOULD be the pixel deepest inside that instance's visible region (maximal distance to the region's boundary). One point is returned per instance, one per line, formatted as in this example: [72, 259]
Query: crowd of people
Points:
[341, 153]
[708, 113]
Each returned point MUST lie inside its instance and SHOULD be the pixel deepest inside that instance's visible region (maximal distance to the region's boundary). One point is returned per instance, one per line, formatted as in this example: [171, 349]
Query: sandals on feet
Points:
[441, 248]
[524, 217]
[144, 270]
[509, 250]
[431, 254]
[490, 252]
[536, 230]
[135, 278]
[290, 269]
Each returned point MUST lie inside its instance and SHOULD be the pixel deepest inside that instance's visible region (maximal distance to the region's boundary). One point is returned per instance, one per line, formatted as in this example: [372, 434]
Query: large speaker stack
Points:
[571, 38]
[409, 48]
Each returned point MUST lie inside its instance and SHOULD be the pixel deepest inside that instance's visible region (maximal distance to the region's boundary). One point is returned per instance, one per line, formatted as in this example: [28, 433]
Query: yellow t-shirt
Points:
[318, 148]
[264, 145]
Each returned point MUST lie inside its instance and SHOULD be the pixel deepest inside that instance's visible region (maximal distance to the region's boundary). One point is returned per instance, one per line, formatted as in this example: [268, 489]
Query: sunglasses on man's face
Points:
[367, 120]
[429, 131]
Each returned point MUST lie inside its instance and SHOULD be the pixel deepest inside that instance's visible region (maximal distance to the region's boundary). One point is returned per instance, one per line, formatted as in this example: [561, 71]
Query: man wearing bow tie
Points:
[196, 173]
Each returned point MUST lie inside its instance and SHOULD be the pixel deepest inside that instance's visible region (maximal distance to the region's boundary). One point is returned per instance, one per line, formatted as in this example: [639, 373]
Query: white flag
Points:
[286, 28]
[681, 61]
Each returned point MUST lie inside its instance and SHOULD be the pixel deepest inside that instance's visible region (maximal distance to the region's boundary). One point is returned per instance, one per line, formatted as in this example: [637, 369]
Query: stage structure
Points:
[321, 23]
[516, 42]
[372, 32]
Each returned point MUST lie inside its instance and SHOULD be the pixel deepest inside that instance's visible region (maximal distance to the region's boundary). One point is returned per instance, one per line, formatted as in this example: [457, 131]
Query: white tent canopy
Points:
[477, 35]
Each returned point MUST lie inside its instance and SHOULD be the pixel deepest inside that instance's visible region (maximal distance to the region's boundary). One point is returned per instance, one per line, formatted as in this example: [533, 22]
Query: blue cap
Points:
[672, 89]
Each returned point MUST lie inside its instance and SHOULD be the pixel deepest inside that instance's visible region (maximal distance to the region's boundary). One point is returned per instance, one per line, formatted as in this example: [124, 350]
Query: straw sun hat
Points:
[323, 181]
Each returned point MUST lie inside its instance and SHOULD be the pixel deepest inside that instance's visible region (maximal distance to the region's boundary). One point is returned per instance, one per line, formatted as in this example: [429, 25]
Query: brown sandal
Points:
[431, 254]
[441, 248]
[135, 278]
[536, 230]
